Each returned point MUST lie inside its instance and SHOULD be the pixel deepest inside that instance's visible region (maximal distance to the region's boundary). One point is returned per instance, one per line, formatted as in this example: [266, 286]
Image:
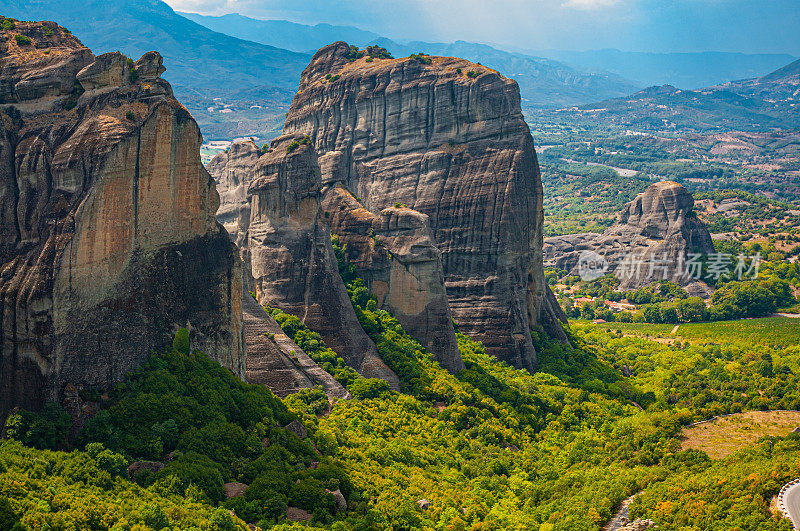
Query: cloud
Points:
[589, 5]
[638, 25]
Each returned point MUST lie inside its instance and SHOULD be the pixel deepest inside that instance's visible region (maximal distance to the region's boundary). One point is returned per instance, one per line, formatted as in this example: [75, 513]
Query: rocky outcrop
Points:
[233, 170]
[395, 253]
[653, 239]
[447, 138]
[273, 211]
[276, 361]
[109, 242]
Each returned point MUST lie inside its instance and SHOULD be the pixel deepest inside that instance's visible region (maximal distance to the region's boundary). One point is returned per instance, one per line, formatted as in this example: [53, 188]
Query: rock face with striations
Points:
[651, 240]
[286, 244]
[447, 138]
[109, 242]
[395, 253]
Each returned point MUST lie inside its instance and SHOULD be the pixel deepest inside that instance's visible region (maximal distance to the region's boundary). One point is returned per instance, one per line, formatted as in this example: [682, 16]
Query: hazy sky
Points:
[637, 25]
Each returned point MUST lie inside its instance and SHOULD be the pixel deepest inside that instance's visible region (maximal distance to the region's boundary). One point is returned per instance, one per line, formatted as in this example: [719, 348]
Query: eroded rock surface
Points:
[274, 360]
[109, 242]
[652, 240]
[273, 211]
[395, 253]
[445, 137]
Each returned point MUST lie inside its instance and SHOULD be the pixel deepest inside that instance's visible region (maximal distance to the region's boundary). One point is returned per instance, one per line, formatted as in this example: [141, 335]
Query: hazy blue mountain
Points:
[282, 33]
[543, 82]
[198, 61]
[759, 104]
[683, 70]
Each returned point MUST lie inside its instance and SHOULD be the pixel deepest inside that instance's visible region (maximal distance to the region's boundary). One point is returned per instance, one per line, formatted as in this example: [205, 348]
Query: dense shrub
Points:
[46, 429]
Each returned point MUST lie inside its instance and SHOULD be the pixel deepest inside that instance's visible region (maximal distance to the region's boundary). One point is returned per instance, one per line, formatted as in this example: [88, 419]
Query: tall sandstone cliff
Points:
[109, 242]
[445, 137]
[652, 240]
[394, 251]
[271, 206]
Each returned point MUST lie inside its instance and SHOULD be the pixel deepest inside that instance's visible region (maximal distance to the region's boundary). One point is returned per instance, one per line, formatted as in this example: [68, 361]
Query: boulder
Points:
[149, 67]
[341, 502]
[295, 514]
[138, 467]
[234, 490]
[108, 71]
[455, 148]
[297, 428]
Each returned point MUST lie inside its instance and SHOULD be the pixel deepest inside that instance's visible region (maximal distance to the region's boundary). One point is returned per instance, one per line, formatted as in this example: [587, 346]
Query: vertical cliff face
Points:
[233, 171]
[287, 245]
[109, 240]
[447, 138]
[395, 253]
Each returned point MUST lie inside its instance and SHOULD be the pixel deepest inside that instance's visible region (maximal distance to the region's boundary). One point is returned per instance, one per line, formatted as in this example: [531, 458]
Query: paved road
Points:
[791, 501]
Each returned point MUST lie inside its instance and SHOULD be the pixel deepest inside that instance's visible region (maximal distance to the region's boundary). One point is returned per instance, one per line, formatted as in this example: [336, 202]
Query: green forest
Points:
[492, 447]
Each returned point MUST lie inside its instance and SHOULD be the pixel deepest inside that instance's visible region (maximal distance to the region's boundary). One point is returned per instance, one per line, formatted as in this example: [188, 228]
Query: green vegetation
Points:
[583, 198]
[209, 428]
[664, 302]
[473, 74]
[22, 40]
[133, 74]
[377, 52]
[489, 448]
[130, 115]
[305, 141]
[729, 375]
[313, 345]
[556, 450]
[72, 99]
[732, 493]
[372, 52]
[420, 57]
[42, 489]
[8, 24]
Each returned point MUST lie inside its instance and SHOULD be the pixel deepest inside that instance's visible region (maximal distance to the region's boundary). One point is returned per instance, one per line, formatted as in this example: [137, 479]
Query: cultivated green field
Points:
[770, 331]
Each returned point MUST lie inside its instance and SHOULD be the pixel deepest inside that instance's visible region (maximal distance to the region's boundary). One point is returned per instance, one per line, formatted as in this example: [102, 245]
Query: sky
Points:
[750, 26]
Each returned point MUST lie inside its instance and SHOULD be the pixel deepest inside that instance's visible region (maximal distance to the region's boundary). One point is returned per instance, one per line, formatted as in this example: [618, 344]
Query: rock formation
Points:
[233, 170]
[652, 240]
[286, 243]
[447, 138]
[109, 242]
[274, 360]
[395, 253]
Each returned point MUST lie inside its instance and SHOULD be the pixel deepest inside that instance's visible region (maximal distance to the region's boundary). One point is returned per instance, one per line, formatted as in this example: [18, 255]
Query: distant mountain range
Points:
[199, 61]
[763, 103]
[543, 82]
[683, 70]
[282, 33]
[237, 87]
